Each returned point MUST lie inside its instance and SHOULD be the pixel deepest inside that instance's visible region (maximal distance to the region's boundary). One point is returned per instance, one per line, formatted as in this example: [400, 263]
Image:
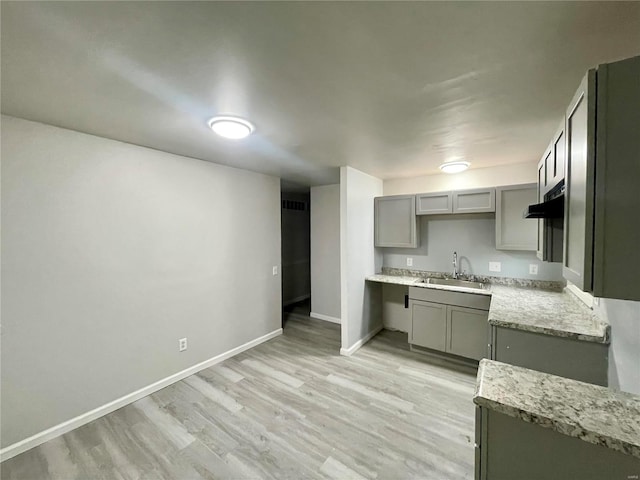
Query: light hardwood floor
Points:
[290, 408]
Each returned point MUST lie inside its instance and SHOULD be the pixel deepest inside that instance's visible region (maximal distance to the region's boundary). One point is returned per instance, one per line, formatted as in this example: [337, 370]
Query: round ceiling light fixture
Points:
[234, 128]
[454, 167]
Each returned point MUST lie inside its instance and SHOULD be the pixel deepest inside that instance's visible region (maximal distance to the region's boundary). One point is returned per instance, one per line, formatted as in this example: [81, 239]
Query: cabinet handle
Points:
[406, 301]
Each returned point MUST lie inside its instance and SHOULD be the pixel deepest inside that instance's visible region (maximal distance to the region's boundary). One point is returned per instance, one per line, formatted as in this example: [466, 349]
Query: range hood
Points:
[553, 208]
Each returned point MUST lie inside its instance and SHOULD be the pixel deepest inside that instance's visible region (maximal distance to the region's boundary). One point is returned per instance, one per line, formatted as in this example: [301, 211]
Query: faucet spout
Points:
[455, 265]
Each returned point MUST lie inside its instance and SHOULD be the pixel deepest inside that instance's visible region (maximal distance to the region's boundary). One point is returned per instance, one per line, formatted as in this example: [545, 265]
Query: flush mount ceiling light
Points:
[454, 167]
[234, 128]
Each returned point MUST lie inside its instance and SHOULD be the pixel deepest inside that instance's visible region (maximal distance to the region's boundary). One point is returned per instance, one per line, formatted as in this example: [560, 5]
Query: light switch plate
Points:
[533, 269]
[495, 266]
[275, 270]
[409, 262]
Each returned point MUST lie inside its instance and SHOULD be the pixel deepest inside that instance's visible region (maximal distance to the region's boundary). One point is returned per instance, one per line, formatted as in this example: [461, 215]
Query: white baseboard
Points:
[356, 346]
[326, 318]
[64, 427]
[295, 300]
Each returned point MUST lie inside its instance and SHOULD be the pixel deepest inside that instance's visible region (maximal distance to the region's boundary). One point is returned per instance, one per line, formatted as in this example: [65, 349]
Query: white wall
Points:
[624, 351]
[361, 310]
[110, 254]
[472, 178]
[296, 276]
[325, 252]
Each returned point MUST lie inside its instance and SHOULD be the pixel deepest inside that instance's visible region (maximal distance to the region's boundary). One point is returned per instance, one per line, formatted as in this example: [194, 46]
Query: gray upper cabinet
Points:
[434, 203]
[616, 256]
[551, 168]
[602, 174]
[513, 232]
[478, 200]
[395, 221]
[578, 221]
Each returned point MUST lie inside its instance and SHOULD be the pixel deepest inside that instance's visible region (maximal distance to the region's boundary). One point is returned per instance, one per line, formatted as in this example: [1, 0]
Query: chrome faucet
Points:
[455, 265]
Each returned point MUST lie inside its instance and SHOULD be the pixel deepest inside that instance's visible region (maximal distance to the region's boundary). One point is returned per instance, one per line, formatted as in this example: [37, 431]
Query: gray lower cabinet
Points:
[477, 200]
[395, 221]
[513, 232]
[508, 448]
[467, 328]
[565, 357]
[450, 322]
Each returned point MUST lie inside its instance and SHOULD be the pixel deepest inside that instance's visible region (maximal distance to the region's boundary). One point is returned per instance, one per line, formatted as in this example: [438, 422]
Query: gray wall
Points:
[624, 351]
[361, 301]
[325, 251]
[473, 237]
[110, 254]
[296, 257]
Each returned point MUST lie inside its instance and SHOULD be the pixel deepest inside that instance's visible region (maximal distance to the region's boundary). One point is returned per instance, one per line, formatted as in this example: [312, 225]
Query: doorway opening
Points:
[296, 253]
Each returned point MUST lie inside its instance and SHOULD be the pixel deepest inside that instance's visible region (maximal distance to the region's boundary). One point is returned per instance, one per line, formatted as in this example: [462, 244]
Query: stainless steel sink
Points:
[453, 282]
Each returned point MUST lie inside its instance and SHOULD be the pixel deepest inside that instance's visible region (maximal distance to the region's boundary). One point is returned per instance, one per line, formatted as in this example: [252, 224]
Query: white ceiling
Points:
[392, 89]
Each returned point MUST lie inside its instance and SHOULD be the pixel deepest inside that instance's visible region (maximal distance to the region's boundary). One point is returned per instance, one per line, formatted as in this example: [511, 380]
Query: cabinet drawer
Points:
[470, 300]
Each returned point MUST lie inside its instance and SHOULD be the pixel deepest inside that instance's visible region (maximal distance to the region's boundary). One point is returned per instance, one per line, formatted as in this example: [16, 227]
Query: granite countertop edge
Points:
[603, 338]
[572, 429]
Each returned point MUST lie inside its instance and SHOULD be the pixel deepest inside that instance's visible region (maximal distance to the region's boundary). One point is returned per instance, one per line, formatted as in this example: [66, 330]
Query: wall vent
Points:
[294, 205]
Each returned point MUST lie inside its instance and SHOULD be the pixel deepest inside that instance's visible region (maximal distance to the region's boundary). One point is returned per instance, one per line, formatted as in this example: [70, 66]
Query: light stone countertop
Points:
[555, 313]
[540, 311]
[589, 412]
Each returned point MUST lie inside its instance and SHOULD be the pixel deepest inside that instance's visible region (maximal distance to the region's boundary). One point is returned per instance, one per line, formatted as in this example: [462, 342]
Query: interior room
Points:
[363, 240]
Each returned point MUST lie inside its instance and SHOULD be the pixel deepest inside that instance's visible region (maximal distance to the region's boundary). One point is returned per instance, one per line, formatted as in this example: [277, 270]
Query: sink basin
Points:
[453, 282]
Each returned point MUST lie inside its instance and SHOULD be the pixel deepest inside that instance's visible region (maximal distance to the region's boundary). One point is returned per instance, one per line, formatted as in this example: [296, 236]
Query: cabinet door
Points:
[513, 232]
[428, 324]
[474, 201]
[579, 182]
[540, 252]
[557, 165]
[467, 332]
[434, 203]
[395, 221]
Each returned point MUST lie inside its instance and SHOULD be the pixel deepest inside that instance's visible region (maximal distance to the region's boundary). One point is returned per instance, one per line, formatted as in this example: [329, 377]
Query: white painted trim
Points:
[585, 297]
[295, 300]
[64, 427]
[326, 318]
[356, 346]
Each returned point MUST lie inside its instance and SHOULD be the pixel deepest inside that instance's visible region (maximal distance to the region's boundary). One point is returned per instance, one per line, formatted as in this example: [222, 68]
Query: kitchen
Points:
[112, 230]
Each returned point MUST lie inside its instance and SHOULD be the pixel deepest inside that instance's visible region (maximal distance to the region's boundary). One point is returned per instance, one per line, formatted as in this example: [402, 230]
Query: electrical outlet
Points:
[275, 270]
[533, 269]
[495, 266]
[182, 344]
[409, 262]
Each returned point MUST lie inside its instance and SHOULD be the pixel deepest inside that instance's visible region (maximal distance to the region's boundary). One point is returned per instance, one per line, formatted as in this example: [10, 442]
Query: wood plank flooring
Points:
[291, 408]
